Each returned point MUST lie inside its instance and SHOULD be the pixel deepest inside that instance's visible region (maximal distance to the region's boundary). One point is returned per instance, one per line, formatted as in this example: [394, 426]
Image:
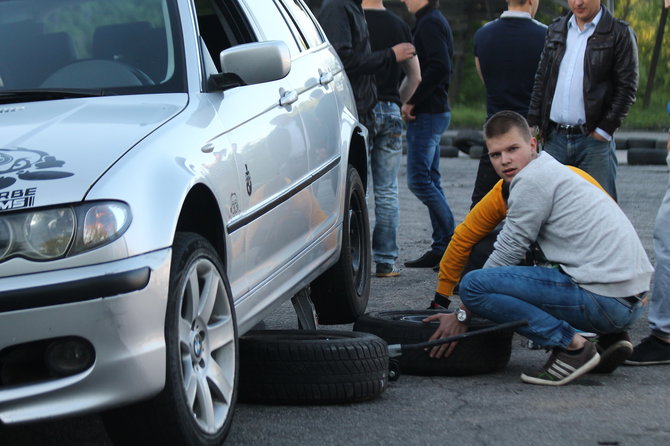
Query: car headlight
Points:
[47, 234]
[52, 233]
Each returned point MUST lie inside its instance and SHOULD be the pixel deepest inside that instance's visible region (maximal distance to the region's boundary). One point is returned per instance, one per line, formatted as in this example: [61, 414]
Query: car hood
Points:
[53, 151]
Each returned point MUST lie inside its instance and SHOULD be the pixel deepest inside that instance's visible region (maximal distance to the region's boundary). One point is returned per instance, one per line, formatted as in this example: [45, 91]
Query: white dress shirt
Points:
[568, 103]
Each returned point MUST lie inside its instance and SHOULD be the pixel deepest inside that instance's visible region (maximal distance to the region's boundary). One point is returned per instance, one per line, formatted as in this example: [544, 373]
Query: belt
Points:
[631, 300]
[569, 129]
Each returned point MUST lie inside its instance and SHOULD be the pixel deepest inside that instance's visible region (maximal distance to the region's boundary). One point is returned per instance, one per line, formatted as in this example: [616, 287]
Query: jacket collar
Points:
[604, 26]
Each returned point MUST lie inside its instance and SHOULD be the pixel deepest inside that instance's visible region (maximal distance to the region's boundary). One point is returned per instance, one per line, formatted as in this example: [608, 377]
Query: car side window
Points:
[222, 24]
[304, 22]
[276, 26]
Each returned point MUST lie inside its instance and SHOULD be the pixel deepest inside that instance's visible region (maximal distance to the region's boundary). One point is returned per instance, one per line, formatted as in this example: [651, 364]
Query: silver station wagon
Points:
[171, 171]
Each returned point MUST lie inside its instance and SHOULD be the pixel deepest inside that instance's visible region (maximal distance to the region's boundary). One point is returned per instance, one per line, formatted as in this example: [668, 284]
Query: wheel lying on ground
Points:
[311, 366]
[646, 156]
[340, 295]
[479, 354]
[196, 406]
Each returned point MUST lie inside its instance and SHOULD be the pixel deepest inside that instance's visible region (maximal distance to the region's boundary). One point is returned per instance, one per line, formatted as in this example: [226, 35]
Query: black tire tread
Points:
[335, 297]
[282, 367]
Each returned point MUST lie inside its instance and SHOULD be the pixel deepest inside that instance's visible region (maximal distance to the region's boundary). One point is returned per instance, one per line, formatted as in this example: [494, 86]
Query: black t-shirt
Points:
[386, 30]
[509, 51]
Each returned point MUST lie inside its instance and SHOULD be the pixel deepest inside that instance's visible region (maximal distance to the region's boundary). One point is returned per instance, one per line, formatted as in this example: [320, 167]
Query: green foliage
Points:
[468, 115]
[655, 117]
[643, 16]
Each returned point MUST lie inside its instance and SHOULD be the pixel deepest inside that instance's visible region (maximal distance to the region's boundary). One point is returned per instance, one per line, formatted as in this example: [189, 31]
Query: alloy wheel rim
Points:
[206, 346]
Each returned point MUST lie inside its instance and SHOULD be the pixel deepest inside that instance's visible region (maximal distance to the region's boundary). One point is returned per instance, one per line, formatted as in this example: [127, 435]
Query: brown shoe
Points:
[563, 367]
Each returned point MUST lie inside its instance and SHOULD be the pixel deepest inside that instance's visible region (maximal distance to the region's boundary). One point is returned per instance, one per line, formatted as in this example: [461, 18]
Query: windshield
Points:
[101, 46]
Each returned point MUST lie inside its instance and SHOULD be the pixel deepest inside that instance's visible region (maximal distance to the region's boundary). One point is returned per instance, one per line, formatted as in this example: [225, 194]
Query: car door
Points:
[265, 135]
[313, 71]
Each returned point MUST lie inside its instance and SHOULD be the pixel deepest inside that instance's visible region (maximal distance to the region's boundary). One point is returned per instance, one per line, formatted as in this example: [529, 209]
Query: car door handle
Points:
[288, 97]
[325, 78]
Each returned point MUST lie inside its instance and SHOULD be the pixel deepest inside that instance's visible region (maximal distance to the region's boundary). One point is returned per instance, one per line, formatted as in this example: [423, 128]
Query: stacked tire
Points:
[311, 367]
[447, 148]
[465, 140]
[646, 151]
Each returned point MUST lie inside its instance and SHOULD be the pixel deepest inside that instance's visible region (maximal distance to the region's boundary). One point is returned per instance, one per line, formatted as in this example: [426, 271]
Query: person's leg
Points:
[659, 307]
[486, 178]
[556, 145]
[598, 159]
[385, 162]
[554, 307]
[655, 349]
[423, 176]
[549, 300]
[481, 251]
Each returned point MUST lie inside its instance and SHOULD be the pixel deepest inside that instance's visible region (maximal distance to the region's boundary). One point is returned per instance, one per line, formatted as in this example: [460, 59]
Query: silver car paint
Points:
[150, 152]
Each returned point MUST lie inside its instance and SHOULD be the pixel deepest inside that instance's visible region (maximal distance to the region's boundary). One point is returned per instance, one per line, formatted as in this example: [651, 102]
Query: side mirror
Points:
[257, 62]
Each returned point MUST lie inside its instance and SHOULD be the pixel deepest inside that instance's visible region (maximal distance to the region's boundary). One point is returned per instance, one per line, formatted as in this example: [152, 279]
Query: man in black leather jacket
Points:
[584, 87]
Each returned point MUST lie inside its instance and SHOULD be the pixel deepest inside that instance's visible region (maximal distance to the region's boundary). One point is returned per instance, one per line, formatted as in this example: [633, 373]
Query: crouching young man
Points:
[597, 270]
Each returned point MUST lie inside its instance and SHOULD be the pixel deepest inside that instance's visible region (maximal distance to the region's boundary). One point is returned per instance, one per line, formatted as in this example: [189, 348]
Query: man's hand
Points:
[449, 326]
[403, 51]
[407, 112]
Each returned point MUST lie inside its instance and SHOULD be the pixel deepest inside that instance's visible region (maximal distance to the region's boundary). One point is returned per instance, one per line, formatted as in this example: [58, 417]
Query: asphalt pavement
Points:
[628, 407]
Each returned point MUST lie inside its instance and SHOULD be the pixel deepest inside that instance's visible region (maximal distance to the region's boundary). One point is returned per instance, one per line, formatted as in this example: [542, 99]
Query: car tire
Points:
[311, 367]
[637, 156]
[642, 143]
[476, 151]
[196, 406]
[621, 143]
[475, 355]
[465, 139]
[340, 295]
[446, 140]
[448, 151]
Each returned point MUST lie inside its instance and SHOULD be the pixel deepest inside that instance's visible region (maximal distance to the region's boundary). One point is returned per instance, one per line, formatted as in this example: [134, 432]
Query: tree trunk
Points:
[654, 57]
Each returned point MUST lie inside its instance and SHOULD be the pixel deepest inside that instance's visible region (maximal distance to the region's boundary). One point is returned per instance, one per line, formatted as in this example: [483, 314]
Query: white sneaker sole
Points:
[574, 375]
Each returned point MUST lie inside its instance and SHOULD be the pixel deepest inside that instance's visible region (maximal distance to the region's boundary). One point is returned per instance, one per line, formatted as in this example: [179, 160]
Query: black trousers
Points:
[486, 178]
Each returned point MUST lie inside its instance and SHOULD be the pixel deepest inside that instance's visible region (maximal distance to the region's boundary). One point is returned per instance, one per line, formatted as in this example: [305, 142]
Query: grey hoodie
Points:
[577, 226]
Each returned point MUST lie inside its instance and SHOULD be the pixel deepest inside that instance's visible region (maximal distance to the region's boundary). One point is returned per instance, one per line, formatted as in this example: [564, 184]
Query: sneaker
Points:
[429, 260]
[563, 367]
[614, 349]
[387, 270]
[650, 351]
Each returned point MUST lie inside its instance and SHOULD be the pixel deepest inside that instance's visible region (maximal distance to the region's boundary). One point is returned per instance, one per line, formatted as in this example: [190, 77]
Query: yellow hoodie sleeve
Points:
[479, 222]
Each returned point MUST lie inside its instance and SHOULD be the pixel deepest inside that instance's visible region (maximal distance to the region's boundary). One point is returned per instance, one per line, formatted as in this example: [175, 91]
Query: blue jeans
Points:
[597, 158]
[549, 300]
[659, 307]
[423, 173]
[385, 156]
